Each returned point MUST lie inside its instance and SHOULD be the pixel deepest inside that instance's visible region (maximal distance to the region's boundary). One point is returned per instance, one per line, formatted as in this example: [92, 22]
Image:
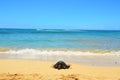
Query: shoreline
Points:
[43, 70]
[91, 60]
[95, 51]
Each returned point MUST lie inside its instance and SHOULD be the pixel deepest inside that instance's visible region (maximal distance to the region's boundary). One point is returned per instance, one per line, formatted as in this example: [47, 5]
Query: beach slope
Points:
[43, 70]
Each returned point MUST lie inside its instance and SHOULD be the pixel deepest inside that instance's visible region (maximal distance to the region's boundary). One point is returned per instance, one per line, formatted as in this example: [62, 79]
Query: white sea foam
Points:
[71, 56]
[29, 51]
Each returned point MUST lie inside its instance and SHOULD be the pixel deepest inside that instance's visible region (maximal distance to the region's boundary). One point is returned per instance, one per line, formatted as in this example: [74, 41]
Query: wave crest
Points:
[59, 52]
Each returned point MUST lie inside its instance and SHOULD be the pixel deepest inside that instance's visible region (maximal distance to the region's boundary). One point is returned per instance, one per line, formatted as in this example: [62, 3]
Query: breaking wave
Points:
[30, 51]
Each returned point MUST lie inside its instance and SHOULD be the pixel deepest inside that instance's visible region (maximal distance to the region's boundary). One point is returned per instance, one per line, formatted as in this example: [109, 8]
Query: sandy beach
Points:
[13, 69]
[59, 39]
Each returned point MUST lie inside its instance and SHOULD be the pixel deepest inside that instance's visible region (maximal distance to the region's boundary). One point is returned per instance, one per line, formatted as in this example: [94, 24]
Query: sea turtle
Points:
[61, 65]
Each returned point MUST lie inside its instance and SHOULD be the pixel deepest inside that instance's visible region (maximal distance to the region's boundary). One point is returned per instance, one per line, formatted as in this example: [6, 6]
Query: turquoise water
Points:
[66, 39]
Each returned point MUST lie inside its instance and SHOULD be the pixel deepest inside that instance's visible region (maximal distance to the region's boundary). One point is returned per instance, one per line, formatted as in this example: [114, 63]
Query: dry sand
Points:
[42, 70]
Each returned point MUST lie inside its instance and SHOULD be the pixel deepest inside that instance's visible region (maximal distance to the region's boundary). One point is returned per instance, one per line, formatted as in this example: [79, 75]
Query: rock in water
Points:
[61, 65]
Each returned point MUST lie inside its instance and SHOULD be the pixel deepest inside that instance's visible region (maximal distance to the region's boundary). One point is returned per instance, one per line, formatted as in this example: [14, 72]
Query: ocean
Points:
[94, 41]
[90, 47]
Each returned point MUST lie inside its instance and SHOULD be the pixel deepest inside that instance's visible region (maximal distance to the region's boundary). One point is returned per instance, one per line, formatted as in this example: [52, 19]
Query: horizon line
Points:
[60, 29]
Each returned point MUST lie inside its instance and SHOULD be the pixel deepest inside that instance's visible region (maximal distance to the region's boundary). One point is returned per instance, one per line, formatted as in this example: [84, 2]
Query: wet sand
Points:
[91, 60]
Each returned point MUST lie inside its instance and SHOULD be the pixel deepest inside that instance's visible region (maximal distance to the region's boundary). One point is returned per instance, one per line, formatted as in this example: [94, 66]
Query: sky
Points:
[60, 14]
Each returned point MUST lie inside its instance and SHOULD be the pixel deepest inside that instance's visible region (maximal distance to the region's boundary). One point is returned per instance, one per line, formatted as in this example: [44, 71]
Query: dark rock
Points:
[61, 65]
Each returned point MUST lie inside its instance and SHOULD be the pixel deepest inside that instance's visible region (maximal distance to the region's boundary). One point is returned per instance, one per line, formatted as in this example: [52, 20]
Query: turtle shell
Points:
[61, 65]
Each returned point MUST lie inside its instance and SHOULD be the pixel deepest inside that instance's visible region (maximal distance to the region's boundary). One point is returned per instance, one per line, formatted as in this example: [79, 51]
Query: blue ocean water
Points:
[60, 38]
